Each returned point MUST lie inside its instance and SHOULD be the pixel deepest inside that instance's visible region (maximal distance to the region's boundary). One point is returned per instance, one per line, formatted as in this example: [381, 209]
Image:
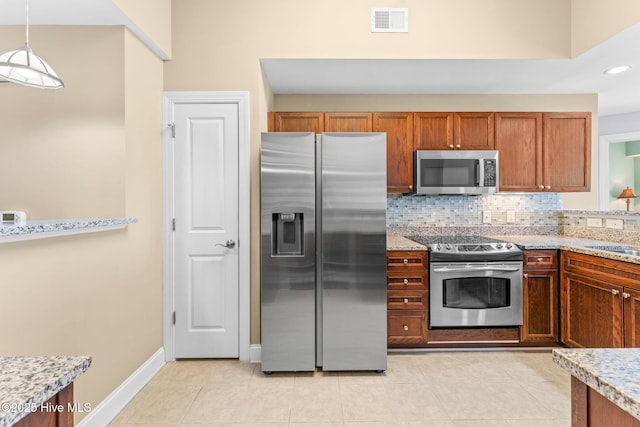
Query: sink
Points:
[625, 250]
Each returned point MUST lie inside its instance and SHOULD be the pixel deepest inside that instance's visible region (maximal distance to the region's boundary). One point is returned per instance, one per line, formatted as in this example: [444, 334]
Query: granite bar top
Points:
[38, 229]
[612, 372]
[28, 381]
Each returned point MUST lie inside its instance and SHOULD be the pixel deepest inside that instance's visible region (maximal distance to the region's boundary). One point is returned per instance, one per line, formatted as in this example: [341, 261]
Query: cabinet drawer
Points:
[407, 280]
[612, 271]
[537, 260]
[407, 300]
[406, 327]
[406, 260]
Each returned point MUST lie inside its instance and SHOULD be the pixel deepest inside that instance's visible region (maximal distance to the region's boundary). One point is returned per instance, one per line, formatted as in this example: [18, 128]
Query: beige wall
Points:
[90, 149]
[217, 46]
[594, 21]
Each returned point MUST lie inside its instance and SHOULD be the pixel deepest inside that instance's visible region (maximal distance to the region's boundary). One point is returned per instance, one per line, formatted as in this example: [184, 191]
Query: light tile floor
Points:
[470, 388]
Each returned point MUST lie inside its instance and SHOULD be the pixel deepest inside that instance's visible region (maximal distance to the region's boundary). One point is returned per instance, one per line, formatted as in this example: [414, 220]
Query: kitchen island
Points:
[38, 390]
[605, 385]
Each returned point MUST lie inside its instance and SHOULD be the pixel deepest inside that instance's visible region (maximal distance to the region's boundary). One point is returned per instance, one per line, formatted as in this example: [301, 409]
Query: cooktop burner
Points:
[468, 248]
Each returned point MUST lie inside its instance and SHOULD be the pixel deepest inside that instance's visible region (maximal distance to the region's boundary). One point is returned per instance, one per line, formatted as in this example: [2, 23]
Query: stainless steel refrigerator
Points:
[323, 251]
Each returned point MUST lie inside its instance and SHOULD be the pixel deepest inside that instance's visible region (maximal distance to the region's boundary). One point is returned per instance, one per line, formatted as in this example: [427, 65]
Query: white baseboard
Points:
[107, 410]
[255, 353]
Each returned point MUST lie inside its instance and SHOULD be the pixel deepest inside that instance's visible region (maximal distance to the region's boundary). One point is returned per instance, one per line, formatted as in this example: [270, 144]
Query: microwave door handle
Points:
[482, 268]
[480, 173]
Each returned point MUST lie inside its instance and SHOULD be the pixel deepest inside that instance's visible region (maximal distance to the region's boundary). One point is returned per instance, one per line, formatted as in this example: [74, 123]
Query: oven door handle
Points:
[482, 268]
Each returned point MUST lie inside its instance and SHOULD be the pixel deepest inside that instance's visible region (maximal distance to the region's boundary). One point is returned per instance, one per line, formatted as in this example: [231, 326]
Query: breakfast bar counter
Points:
[605, 385]
[40, 388]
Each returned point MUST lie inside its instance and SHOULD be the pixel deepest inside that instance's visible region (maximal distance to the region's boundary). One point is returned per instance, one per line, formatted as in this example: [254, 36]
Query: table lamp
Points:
[628, 194]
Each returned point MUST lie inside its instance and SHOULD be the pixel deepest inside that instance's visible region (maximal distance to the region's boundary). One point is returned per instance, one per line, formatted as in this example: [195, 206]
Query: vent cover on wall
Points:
[389, 20]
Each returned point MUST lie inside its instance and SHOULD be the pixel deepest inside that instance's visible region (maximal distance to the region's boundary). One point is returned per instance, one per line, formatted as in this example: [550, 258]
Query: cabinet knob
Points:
[541, 187]
[458, 146]
[615, 291]
[405, 281]
[548, 187]
[410, 186]
[626, 295]
[405, 327]
[406, 300]
[451, 146]
[539, 259]
[525, 275]
[406, 261]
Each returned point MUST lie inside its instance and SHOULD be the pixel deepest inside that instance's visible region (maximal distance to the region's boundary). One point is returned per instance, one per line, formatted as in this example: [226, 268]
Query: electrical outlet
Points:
[511, 216]
[486, 217]
[594, 222]
[614, 223]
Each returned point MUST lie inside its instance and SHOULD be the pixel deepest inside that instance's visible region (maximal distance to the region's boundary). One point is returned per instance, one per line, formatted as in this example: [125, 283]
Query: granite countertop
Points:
[612, 372]
[38, 229]
[531, 242]
[399, 243]
[28, 381]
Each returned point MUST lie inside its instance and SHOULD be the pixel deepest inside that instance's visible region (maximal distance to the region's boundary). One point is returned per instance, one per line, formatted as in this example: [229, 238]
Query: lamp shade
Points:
[627, 193]
[25, 67]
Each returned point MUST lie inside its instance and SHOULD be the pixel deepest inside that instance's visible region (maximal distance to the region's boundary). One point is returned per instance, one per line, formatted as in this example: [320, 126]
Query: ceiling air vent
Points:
[389, 20]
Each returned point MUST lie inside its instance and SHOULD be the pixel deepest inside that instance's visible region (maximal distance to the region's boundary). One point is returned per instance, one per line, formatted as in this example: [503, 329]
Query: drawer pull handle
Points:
[405, 281]
[626, 295]
[539, 259]
[406, 261]
[405, 327]
[615, 291]
[406, 300]
[525, 275]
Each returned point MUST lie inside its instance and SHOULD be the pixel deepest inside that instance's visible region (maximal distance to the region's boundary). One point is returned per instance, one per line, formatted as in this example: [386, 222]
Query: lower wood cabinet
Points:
[540, 298]
[407, 298]
[53, 413]
[600, 302]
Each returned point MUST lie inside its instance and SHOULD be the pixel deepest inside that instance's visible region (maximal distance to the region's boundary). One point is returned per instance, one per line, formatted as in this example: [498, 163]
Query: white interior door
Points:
[206, 219]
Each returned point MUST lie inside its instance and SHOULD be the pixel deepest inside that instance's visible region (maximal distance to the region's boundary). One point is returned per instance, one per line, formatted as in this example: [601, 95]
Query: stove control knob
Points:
[438, 247]
[499, 245]
[449, 247]
[509, 245]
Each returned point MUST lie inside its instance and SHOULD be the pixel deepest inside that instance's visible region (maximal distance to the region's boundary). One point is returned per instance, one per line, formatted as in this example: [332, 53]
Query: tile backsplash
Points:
[536, 209]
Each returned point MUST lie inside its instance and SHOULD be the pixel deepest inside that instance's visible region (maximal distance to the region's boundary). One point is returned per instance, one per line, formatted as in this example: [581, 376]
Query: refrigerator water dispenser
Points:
[287, 234]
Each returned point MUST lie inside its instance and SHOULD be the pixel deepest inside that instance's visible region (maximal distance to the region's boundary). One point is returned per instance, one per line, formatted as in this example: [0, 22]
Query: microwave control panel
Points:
[489, 172]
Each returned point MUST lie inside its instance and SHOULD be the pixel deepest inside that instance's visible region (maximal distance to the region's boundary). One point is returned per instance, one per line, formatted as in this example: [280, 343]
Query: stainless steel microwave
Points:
[471, 172]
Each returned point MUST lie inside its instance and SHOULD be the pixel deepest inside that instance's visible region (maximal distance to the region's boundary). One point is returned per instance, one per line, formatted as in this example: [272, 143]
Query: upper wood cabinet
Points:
[296, 122]
[348, 122]
[519, 143]
[544, 151]
[566, 151]
[399, 129]
[454, 131]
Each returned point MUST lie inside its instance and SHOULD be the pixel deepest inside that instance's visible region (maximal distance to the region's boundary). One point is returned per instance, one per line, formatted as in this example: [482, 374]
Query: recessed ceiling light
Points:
[617, 70]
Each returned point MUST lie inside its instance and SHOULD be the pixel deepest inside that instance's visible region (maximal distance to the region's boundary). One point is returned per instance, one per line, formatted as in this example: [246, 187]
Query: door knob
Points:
[229, 244]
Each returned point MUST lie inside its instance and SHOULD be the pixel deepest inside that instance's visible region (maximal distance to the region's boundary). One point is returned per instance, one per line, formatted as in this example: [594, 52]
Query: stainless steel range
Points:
[474, 282]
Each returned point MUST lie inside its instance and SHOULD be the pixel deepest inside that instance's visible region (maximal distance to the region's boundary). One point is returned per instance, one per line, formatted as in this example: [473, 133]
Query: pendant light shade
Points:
[26, 68]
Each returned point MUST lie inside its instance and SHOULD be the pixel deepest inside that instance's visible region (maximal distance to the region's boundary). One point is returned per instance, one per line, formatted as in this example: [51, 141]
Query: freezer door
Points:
[353, 251]
[287, 199]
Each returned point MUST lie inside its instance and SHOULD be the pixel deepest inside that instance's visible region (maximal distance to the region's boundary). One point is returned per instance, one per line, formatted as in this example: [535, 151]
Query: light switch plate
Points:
[511, 216]
[614, 223]
[594, 222]
[486, 217]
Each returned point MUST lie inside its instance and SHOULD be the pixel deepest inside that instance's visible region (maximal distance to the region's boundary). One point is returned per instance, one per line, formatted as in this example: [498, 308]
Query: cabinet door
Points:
[592, 312]
[540, 306]
[348, 122]
[298, 122]
[399, 129]
[433, 131]
[566, 147]
[518, 138]
[631, 317]
[473, 131]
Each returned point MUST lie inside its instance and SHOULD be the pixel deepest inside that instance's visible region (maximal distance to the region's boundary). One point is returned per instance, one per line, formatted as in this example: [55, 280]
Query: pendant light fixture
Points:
[26, 68]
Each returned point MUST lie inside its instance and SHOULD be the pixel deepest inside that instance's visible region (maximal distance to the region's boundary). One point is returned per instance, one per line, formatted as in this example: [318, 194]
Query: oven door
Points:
[475, 294]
